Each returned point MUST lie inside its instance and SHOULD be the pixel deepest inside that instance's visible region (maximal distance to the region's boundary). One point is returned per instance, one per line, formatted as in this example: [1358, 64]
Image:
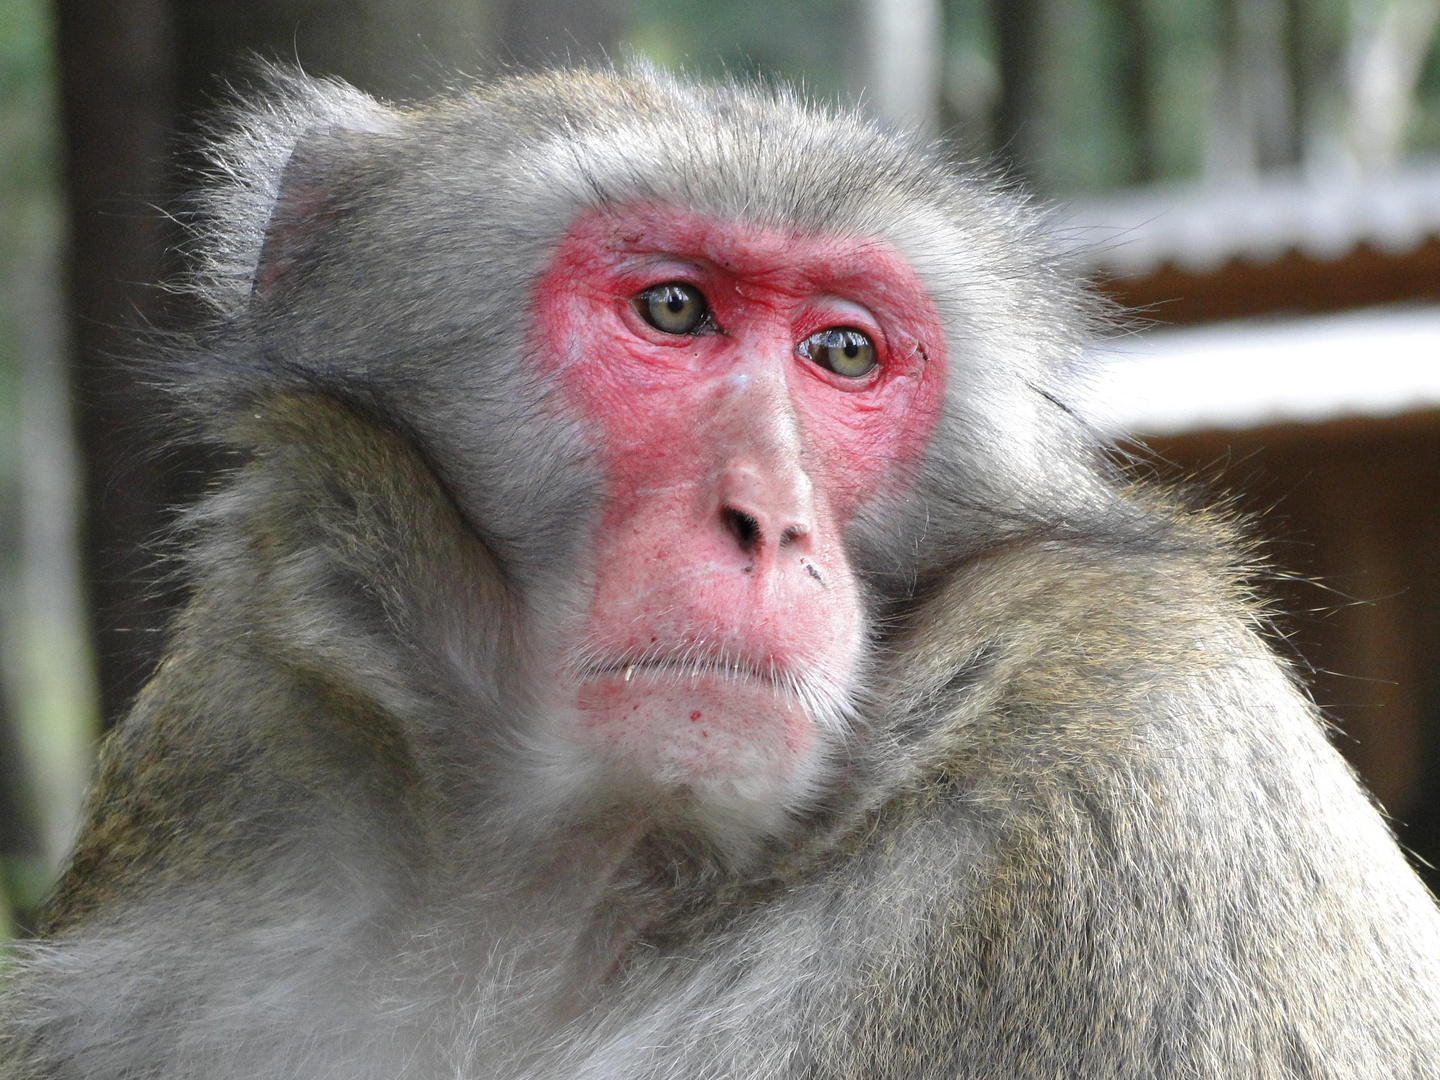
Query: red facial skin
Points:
[691, 629]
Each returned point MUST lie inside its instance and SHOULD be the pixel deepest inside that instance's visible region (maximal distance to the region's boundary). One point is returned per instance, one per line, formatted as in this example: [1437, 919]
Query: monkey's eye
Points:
[842, 349]
[673, 308]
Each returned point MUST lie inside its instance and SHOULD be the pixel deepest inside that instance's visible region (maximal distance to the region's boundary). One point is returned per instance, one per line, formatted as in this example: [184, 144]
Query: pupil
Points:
[676, 303]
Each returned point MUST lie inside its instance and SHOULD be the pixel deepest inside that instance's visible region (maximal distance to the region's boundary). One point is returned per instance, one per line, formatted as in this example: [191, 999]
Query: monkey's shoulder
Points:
[224, 774]
[1050, 625]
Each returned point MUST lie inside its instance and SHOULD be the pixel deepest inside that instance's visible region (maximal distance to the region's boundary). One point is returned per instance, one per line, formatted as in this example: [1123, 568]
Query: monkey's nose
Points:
[766, 512]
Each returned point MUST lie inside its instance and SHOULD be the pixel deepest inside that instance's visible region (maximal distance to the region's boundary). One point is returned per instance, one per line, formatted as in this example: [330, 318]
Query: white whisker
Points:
[821, 693]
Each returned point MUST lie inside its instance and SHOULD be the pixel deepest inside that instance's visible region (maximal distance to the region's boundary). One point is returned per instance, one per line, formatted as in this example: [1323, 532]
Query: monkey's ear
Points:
[271, 168]
[311, 197]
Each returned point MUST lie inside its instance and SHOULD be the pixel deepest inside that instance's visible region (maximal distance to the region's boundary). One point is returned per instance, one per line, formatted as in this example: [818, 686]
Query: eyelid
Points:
[829, 312]
[844, 312]
[641, 274]
[835, 311]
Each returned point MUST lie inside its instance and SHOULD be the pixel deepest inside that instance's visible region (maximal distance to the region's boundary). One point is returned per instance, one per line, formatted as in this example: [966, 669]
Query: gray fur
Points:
[1081, 823]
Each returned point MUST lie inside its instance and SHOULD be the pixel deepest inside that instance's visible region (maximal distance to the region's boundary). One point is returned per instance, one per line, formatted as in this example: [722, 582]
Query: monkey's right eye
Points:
[673, 308]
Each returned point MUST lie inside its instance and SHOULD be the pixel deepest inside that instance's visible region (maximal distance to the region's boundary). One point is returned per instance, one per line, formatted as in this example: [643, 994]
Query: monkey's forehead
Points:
[522, 157]
[471, 194]
[541, 149]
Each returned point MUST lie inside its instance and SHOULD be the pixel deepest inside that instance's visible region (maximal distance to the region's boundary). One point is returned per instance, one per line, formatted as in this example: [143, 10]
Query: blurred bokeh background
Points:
[1259, 178]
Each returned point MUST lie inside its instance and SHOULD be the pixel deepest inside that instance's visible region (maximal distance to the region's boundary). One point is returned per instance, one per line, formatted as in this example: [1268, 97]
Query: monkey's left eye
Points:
[673, 308]
[842, 349]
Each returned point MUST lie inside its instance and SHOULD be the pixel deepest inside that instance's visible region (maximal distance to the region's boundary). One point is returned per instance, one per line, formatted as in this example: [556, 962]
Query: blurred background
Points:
[1260, 179]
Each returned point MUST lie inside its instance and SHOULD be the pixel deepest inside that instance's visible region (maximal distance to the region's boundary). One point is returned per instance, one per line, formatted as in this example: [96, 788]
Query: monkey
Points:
[664, 616]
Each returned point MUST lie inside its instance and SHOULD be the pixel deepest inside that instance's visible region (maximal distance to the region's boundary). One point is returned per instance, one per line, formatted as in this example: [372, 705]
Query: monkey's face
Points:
[745, 390]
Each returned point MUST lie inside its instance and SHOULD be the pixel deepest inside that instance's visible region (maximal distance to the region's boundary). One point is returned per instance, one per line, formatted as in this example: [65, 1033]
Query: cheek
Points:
[640, 411]
[858, 449]
[650, 436]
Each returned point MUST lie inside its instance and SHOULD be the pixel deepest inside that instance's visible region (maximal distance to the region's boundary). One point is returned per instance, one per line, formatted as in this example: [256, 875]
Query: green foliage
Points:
[809, 42]
[30, 229]
[27, 144]
[1076, 137]
[1117, 92]
[1183, 39]
[26, 182]
[971, 74]
[1424, 131]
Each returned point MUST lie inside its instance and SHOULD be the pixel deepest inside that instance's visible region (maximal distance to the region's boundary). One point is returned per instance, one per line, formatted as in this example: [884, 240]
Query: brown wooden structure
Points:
[1295, 282]
[1349, 512]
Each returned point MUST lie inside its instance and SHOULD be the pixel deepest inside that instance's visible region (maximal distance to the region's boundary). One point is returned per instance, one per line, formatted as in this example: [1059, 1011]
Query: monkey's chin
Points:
[738, 746]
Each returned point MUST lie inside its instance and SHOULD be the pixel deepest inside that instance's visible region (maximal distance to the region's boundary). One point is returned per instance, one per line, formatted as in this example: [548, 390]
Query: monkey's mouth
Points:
[691, 670]
[736, 676]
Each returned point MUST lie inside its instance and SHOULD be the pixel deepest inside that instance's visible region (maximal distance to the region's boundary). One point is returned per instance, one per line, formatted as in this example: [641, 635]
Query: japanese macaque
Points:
[666, 622]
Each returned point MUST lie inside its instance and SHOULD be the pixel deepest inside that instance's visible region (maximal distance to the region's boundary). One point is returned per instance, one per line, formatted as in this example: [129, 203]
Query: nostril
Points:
[792, 535]
[743, 527]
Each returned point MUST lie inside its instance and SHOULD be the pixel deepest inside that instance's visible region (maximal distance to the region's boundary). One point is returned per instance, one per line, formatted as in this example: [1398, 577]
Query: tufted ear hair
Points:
[271, 168]
[310, 197]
